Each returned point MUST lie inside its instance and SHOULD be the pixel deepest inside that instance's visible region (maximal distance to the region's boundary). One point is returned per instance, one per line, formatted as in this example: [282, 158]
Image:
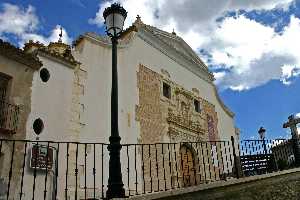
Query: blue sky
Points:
[251, 46]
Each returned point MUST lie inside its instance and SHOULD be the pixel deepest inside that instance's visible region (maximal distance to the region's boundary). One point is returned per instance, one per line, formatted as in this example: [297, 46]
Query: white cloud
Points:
[250, 53]
[187, 14]
[16, 20]
[24, 23]
[254, 53]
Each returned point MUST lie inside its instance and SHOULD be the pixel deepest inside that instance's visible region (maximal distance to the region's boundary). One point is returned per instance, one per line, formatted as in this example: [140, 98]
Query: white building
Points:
[166, 95]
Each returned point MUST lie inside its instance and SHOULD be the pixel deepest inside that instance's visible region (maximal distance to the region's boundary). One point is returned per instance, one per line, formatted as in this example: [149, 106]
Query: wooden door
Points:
[187, 166]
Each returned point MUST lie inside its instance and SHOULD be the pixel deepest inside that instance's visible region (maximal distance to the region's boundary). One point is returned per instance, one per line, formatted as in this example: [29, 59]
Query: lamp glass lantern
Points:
[114, 16]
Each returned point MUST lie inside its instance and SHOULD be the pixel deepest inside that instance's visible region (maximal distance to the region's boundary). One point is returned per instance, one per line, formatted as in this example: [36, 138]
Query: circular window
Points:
[38, 126]
[44, 74]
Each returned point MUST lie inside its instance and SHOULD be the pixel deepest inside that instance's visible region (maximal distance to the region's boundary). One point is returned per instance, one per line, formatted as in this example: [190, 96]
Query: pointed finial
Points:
[173, 32]
[138, 17]
[138, 20]
[60, 35]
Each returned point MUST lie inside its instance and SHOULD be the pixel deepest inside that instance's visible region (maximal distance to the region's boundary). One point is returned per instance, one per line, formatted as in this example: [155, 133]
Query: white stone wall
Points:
[51, 101]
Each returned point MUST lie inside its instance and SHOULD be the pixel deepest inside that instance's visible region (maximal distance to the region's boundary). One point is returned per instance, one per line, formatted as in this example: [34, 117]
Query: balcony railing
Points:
[70, 170]
[9, 116]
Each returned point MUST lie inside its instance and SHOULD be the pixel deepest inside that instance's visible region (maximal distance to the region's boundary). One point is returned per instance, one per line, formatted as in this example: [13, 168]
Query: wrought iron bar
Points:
[85, 166]
[94, 171]
[56, 171]
[67, 172]
[135, 169]
[11, 168]
[176, 164]
[46, 176]
[171, 182]
[128, 170]
[156, 166]
[143, 170]
[23, 169]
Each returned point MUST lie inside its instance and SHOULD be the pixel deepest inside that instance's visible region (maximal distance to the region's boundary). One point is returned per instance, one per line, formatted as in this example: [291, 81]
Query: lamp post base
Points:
[115, 191]
[115, 183]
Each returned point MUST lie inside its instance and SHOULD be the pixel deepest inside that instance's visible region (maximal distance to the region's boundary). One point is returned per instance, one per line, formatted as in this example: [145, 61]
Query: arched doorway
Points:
[188, 166]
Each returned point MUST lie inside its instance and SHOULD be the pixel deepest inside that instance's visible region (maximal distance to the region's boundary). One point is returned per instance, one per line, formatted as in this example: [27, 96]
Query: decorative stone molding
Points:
[55, 50]
[196, 91]
[184, 123]
[225, 108]
[177, 135]
[187, 94]
[14, 53]
[165, 73]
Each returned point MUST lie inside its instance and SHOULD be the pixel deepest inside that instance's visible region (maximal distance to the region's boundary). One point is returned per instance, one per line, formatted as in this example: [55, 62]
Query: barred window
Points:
[167, 90]
[197, 106]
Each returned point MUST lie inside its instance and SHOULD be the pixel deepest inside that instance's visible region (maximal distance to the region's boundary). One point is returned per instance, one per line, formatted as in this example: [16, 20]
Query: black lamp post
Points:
[262, 134]
[114, 16]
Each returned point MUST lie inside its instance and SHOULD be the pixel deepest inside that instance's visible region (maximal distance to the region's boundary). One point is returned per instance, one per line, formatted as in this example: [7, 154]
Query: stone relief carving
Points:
[166, 73]
[175, 117]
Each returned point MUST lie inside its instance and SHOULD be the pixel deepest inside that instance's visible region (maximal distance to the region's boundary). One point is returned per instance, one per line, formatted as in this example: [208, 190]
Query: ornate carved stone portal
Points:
[175, 117]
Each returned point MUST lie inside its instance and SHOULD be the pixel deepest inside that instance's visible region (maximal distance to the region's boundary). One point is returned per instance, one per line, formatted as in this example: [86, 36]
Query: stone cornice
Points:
[225, 108]
[58, 59]
[57, 51]
[189, 53]
[14, 53]
[65, 58]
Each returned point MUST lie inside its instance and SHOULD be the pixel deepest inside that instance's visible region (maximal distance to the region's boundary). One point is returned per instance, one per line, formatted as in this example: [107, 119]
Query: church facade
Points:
[166, 95]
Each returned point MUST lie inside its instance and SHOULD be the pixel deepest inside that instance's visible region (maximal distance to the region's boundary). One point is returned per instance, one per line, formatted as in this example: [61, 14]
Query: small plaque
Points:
[41, 157]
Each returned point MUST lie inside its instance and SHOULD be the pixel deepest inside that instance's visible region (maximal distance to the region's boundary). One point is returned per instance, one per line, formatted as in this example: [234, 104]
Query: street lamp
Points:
[262, 134]
[114, 16]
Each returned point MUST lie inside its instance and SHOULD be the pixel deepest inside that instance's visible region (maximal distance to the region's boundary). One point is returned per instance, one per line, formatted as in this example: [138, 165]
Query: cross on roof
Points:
[60, 35]
[292, 124]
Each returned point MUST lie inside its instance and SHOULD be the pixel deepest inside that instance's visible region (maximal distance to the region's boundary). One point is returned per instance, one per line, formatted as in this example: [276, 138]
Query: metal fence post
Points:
[296, 148]
[235, 158]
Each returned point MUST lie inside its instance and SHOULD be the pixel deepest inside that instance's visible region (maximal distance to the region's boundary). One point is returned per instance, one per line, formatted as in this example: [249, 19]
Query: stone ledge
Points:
[213, 185]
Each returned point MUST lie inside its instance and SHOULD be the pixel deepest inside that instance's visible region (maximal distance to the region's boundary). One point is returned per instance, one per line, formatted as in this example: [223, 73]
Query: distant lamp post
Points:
[114, 16]
[262, 135]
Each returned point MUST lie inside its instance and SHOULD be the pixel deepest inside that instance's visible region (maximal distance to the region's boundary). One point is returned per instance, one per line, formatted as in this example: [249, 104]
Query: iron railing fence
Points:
[70, 170]
[9, 117]
[264, 156]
